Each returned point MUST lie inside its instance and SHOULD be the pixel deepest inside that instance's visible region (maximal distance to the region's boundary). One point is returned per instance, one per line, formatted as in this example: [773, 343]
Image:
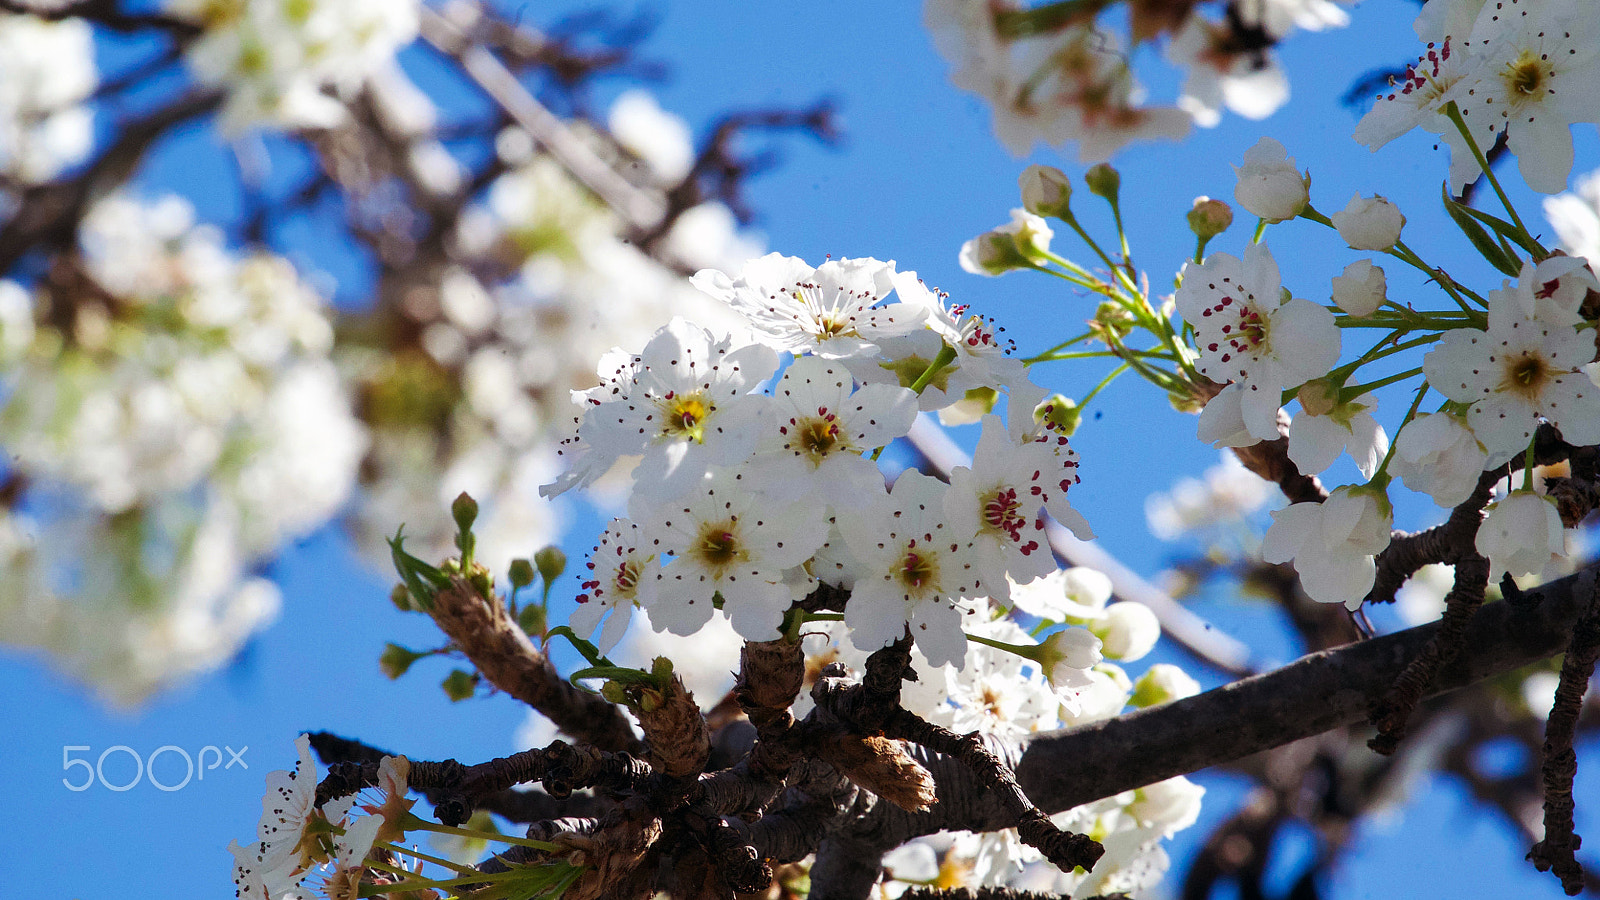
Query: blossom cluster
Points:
[302, 846]
[756, 498]
[170, 417]
[1053, 73]
[1521, 70]
[275, 59]
[47, 70]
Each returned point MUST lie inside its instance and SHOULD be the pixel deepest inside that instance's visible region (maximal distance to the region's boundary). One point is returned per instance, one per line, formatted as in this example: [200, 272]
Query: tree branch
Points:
[1318, 692]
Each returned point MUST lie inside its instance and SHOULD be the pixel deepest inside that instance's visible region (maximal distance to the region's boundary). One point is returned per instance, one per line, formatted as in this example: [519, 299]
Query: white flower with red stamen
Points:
[1518, 371]
[622, 577]
[1418, 100]
[982, 355]
[998, 500]
[1249, 335]
[822, 429]
[910, 568]
[725, 538]
[1533, 77]
[829, 311]
[1032, 421]
[683, 403]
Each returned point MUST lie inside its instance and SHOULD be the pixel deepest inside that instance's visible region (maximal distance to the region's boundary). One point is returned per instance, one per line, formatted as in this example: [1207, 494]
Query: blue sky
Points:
[918, 174]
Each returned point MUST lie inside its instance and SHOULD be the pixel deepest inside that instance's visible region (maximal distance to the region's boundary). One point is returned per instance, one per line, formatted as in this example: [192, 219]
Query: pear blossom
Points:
[1127, 630]
[911, 564]
[1419, 99]
[1438, 455]
[1361, 288]
[998, 500]
[1519, 370]
[830, 311]
[1316, 440]
[1533, 78]
[1162, 683]
[992, 694]
[659, 138]
[815, 444]
[1074, 594]
[1369, 223]
[1521, 535]
[1575, 216]
[1269, 184]
[623, 577]
[1020, 243]
[1248, 334]
[1221, 73]
[728, 540]
[683, 403]
[1333, 543]
[1034, 419]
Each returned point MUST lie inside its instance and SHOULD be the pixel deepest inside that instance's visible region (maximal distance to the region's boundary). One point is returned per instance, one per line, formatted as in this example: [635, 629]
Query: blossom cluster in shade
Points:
[1059, 79]
[753, 486]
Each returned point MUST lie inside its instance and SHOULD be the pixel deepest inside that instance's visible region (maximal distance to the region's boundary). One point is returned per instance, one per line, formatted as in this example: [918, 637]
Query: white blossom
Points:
[1438, 455]
[1248, 334]
[1521, 535]
[623, 577]
[1075, 594]
[1360, 289]
[1332, 543]
[1269, 185]
[1315, 441]
[1369, 223]
[1575, 216]
[1127, 630]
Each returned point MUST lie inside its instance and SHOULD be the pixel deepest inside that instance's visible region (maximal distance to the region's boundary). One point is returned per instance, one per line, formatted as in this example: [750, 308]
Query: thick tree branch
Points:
[1325, 690]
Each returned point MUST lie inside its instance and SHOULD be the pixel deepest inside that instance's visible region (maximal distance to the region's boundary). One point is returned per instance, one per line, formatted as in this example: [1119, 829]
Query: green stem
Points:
[413, 823]
[1383, 467]
[1101, 386]
[1358, 390]
[1454, 112]
[1261, 228]
[1527, 467]
[416, 854]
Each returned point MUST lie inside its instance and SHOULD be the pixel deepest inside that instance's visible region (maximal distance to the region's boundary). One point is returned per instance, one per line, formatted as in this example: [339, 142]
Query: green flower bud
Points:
[521, 573]
[532, 619]
[401, 598]
[464, 510]
[1061, 413]
[1103, 181]
[551, 562]
[1114, 318]
[1209, 218]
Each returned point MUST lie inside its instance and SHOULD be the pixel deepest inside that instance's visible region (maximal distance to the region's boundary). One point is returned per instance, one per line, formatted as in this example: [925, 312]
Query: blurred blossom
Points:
[1224, 498]
[1575, 216]
[46, 71]
[170, 420]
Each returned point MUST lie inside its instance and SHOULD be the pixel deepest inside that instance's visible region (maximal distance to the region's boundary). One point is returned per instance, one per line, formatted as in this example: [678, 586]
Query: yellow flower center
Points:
[684, 415]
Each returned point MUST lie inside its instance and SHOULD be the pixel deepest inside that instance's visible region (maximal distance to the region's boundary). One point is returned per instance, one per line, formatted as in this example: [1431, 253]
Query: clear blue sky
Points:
[918, 174]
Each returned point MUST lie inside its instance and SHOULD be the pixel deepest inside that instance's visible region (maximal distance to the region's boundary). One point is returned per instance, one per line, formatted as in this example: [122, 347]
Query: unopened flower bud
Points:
[1128, 631]
[972, 407]
[464, 510]
[1270, 186]
[1361, 289]
[401, 598]
[1369, 223]
[1209, 218]
[1114, 318]
[551, 562]
[1164, 683]
[532, 619]
[521, 573]
[1103, 181]
[1045, 191]
[1018, 244]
